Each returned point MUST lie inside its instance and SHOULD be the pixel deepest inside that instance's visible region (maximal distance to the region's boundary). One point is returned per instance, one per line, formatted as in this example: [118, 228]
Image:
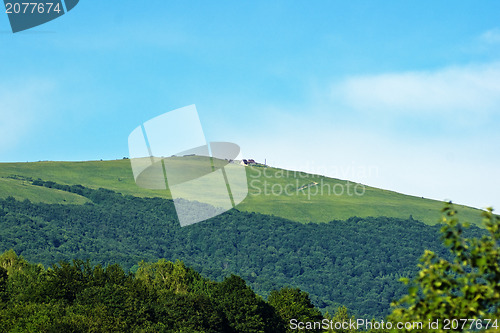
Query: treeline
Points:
[164, 296]
[160, 297]
[355, 263]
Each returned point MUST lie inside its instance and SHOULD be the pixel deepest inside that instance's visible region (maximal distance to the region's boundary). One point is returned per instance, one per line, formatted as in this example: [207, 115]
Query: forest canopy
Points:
[356, 263]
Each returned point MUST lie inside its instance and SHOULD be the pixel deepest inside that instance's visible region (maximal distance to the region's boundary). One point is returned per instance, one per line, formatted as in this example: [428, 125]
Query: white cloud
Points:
[442, 169]
[491, 36]
[316, 136]
[466, 90]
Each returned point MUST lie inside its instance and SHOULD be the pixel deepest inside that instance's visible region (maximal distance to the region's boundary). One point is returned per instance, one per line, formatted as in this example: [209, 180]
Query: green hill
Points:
[293, 195]
[356, 263]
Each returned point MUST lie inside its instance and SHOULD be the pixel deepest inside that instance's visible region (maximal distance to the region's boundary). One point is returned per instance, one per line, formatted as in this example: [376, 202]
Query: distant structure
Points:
[248, 162]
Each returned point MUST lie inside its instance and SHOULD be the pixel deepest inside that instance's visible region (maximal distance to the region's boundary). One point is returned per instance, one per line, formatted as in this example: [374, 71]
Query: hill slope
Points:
[356, 262]
[293, 195]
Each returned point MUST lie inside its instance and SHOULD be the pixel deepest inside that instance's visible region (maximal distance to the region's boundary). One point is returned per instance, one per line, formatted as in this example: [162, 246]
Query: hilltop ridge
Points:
[293, 195]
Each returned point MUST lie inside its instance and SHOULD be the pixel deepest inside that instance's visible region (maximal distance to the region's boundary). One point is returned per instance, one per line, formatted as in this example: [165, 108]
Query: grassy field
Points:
[21, 190]
[297, 196]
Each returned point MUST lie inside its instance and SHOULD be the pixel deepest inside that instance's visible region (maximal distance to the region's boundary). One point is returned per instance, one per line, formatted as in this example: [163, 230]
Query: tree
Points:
[245, 311]
[12, 262]
[3, 285]
[294, 304]
[189, 313]
[66, 280]
[341, 316]
[466, 288]
[166, 275]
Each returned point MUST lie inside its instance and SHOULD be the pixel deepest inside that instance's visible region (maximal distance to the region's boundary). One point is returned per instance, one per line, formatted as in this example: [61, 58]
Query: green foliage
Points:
[11, 262]
[65, 281]
[161, 297]
[467, 287]
[175, 277]
[292, 303]
[245, 311]
[3, 286]
[362, 258]
[340, 316]
[353, 262]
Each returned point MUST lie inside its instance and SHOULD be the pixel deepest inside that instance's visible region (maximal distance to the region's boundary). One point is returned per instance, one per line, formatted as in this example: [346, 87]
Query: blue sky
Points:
[398, 95]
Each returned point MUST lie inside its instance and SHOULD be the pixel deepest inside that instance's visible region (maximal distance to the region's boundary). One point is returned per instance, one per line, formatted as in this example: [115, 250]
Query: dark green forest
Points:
[160, 297]
[355, 263]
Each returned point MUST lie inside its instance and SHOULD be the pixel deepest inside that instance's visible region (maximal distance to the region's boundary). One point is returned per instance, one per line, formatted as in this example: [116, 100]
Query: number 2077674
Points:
[32, 7]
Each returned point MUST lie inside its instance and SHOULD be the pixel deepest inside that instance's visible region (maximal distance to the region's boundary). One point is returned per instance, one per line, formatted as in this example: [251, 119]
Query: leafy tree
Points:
[3, 285]
[243, 309]
[341, 316]
[66, 280]
[162, 297]
[28, 284]
[11, 261]
[293, 303]
[165, 275]
[190, 313]
[468, 287]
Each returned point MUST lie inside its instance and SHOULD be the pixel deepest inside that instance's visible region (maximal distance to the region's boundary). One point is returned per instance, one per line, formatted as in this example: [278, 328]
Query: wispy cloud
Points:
[491, 36]
[470, 90]
[453, 163]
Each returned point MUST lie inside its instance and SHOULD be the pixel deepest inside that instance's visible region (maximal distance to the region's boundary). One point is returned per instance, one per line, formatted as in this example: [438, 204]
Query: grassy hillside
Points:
[21, 189]
[356, 262]
[293, 195]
